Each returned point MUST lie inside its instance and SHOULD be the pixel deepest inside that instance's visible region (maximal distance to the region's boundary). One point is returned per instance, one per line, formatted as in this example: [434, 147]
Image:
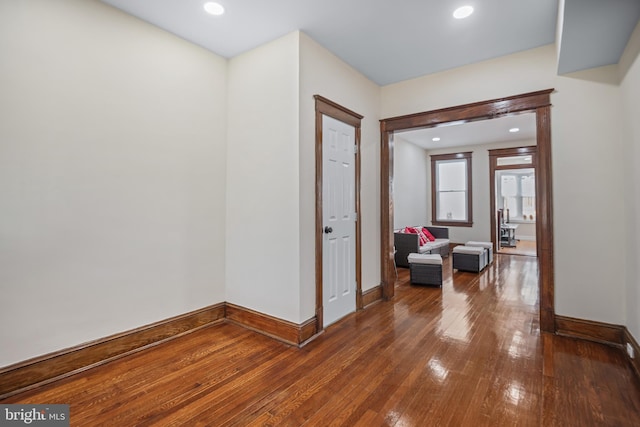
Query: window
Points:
[517, 194]
[451, 190]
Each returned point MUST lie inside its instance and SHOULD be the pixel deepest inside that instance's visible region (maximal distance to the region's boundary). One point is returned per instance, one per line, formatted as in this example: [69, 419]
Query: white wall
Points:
[411, 161]
[411, 190]
[481, 190]
[263, 236]
[587, 154]
[112, 175]
[630, 88]
[322, 73]
[526, 231]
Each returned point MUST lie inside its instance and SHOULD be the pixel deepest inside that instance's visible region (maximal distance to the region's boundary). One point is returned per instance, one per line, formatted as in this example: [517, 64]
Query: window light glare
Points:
[436, 139]
[462, 12]
[514, 130]
[212, 8]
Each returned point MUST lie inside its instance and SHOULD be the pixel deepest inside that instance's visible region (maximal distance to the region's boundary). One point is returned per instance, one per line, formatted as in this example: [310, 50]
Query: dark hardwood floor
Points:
[469, 354]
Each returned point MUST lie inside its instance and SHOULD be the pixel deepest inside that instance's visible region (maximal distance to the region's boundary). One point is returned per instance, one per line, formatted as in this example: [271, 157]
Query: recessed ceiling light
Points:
[214, 8]
[462, 12]
[436, 139]
[514, 130]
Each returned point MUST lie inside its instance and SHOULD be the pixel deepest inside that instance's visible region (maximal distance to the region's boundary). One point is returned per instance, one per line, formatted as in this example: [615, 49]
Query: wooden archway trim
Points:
[536, 102]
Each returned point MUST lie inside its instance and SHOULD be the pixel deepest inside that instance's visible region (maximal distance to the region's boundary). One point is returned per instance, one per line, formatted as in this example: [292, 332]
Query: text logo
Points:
[34, 415]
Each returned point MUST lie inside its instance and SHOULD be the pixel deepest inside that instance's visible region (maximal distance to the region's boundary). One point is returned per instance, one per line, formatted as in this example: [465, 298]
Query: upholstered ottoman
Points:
[488, 246]
[425, 269]
[469, 258]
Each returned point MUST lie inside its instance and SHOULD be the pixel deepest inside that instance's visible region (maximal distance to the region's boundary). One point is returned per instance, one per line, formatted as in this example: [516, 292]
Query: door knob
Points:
[328, 230]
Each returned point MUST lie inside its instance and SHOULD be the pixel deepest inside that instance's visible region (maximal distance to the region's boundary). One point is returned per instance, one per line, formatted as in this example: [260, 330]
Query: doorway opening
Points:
[536, 102]
[512, 174]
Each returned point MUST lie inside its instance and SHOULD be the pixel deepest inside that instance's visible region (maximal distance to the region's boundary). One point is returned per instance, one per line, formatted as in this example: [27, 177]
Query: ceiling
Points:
[595, 32]
[393, 41]
[473, 133]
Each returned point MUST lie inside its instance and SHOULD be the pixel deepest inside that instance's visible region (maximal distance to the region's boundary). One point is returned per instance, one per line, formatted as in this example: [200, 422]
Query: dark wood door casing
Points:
[493, 167]
[538, 102]
[329, 108]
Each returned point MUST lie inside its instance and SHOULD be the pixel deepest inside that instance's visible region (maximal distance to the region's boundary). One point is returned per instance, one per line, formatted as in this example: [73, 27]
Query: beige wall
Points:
[263, 256]
[586, 151]
[271, 172]
[588, 177]
[143, 177]
[112, 175]
[630, 88]
[509, 75]
[411, 190]
[322, 73]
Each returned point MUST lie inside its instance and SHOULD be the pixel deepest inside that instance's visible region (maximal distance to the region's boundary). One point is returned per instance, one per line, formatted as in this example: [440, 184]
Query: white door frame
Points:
[336, 111]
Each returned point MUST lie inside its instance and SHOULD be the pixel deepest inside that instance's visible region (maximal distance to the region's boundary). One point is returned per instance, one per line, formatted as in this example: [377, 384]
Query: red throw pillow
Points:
[423, 237]
[428, 234]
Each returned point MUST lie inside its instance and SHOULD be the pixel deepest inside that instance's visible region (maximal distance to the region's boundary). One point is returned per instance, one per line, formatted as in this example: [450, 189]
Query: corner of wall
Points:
[631, 53]
[262, 179]
[559, 29]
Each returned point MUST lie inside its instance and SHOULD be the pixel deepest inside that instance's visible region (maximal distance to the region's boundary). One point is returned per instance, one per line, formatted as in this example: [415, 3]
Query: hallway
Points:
[469, 354]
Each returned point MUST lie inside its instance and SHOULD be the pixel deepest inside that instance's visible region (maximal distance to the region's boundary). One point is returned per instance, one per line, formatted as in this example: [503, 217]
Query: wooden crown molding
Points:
[470, 112]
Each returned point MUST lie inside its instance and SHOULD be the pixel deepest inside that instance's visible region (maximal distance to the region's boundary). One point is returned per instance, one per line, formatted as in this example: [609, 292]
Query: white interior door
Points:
[339, 220]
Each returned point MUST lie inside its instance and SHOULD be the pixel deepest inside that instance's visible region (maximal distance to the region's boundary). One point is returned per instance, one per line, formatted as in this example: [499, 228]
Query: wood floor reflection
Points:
[469, 354]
